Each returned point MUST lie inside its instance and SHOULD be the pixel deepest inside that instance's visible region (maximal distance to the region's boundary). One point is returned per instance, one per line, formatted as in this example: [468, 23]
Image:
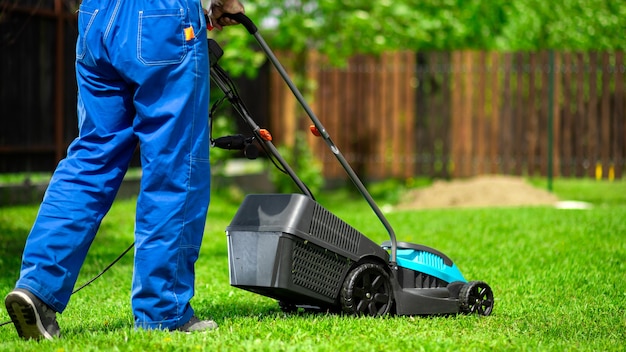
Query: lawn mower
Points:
[290, 248]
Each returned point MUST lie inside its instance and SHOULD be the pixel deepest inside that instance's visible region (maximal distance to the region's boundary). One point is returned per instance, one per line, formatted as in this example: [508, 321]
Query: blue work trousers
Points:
[143, 78]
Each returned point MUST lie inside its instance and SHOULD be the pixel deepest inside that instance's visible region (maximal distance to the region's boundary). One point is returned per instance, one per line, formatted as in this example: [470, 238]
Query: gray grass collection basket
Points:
[287, 246]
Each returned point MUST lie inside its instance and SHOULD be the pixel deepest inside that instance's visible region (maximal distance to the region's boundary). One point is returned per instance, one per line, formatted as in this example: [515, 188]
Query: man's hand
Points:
[219, 8]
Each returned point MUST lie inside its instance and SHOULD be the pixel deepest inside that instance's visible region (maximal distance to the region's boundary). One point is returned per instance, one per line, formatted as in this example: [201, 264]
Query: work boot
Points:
[32, 318]
[196, 325]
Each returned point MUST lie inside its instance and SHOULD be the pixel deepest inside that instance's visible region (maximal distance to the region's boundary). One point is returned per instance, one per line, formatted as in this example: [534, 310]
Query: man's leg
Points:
[171, 74]
[84, 184]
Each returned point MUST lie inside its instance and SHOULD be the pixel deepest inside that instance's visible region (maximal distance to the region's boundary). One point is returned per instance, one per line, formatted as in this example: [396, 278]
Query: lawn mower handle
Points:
[247, 22]
[244, 20]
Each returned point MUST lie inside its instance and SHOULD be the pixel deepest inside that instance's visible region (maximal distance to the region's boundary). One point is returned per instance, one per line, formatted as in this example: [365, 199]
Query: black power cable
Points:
[94, 278]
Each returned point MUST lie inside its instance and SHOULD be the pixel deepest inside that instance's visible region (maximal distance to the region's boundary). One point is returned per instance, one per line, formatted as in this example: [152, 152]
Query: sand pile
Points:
[481, 191]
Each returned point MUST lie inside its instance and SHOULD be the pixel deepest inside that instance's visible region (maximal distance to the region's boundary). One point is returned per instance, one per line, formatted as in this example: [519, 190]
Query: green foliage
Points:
[388, 191]
[222, 125]
[340, 29]
[240, 55]
[305, 165]
[569, 25]
[391, 191]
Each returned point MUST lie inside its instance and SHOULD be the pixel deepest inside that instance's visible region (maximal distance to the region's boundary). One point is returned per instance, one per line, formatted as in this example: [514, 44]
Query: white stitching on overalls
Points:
[113, 16]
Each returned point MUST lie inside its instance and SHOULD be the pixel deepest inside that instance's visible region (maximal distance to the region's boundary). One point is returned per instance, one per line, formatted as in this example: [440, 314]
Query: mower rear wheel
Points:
[476, 297]
[367, 291]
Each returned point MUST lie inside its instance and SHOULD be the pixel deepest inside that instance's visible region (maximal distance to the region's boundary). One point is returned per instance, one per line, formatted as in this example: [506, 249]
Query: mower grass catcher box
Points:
[288, 247]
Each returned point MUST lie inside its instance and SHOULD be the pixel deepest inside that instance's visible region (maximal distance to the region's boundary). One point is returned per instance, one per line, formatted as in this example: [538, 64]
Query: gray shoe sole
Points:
[196, 325]
[25, 316]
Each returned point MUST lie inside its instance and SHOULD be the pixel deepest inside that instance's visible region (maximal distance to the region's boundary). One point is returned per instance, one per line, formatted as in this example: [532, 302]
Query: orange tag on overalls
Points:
[189, 34]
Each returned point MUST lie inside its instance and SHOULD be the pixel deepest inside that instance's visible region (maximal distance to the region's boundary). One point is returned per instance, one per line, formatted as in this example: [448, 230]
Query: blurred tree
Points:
[340, 29]
[564, 24]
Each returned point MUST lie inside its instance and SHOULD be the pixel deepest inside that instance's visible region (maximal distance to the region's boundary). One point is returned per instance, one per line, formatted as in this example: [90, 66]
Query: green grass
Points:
[558, 277]
[598, 193]
[43, 177]
[21, 178]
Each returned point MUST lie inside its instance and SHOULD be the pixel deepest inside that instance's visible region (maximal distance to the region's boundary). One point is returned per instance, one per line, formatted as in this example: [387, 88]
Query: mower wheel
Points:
[476, 297]
[367, 291]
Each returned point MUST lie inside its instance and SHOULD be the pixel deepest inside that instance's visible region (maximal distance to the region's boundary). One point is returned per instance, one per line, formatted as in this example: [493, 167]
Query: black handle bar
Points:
[243, 19]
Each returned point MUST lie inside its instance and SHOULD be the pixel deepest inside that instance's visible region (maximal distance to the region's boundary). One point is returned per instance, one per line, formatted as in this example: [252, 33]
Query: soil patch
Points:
[481, 191]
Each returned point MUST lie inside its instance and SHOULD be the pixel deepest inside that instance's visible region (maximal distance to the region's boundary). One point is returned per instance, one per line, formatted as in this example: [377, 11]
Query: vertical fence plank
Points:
[518, 116]
[531, 116]
[457, 114]
[445, 116]
[592, 114]
[351, 132]
[408, 59]
[567, 124]
[364, 137]
[619, 143]
[393, 96]
[580, 125]
[463, 113]
[479, 117]
[59, 106]
[341, 114]
[556, 114]
[455, 87]
[372, 120]
[384, 113]
[425, 65]
[507, 114]
[494, 88]
[467, 115]
[542, 91]
[605, 116]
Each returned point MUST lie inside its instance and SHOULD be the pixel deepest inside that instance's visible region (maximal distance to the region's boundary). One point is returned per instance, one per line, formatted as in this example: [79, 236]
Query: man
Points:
[143, 78]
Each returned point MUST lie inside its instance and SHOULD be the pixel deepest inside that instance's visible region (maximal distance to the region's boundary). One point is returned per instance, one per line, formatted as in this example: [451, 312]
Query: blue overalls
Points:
[143, 78]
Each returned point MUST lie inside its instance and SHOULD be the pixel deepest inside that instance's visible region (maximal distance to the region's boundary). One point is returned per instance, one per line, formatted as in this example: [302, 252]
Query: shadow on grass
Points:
[12, 242]
[265, 311]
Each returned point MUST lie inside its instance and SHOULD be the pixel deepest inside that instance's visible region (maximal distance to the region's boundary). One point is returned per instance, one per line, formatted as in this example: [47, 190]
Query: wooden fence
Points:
[405, 114]
[466, 113]
[37, 83]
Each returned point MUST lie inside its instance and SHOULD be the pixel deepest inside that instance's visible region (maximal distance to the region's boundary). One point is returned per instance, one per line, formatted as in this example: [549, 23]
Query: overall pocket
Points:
[86, 16]
[161, 37]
